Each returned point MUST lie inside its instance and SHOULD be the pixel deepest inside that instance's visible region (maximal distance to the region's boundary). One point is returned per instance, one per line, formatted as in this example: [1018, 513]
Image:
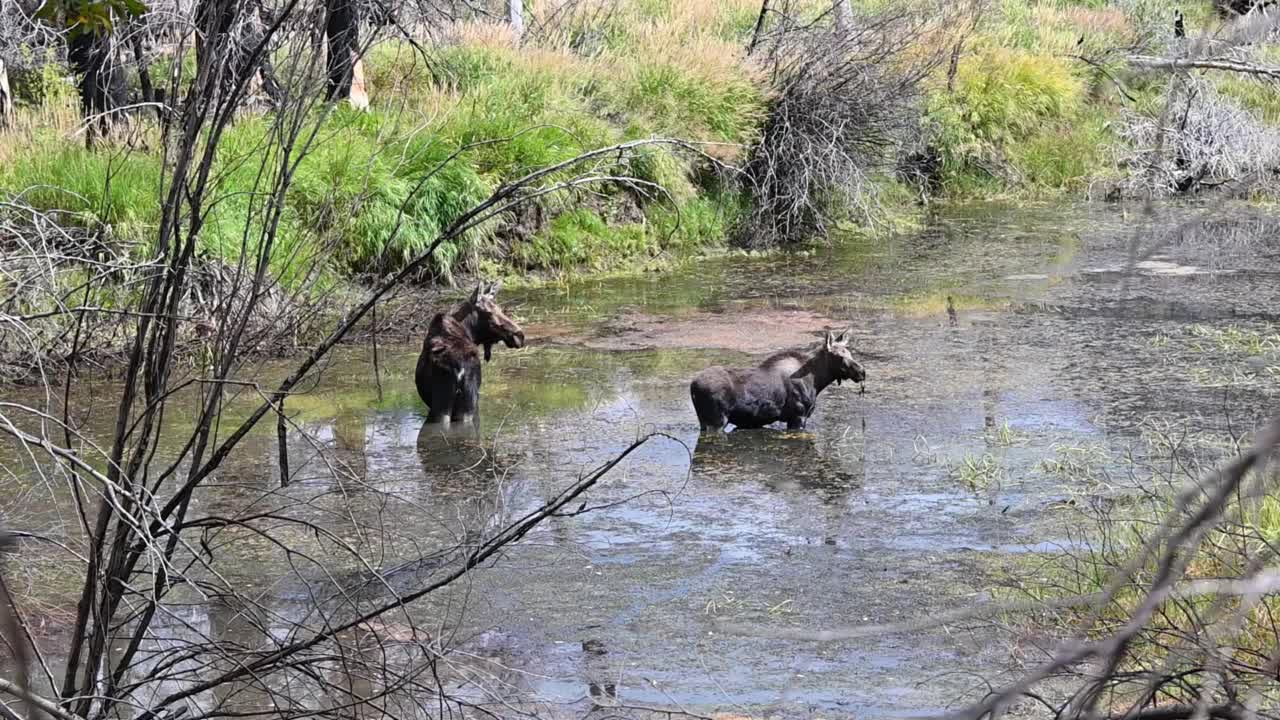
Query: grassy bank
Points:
[511, 110]
[1018, 115]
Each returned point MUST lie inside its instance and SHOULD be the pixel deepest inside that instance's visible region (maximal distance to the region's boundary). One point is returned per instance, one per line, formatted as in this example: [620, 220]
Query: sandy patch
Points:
[1152, 267]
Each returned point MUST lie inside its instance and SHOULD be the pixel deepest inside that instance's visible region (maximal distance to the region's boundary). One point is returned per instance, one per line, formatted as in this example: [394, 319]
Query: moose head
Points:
[487, 322]
[839, 358]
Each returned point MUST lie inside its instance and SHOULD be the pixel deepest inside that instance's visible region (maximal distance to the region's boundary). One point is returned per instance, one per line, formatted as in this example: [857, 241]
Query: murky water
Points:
[993, 341]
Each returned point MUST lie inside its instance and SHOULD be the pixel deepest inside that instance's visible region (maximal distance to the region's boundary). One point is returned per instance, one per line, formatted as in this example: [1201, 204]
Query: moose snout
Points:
[515, 340]
[858, 374]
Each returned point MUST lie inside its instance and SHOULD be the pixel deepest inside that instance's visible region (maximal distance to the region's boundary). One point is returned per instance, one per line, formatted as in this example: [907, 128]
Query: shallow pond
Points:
[995, 340]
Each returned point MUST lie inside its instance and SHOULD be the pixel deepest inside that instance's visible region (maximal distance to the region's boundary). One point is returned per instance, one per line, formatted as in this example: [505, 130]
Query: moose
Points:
[784, 388]
[448, 372]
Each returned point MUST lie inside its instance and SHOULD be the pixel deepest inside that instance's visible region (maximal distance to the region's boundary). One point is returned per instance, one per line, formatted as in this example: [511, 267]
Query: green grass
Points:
[376, 189]
[1023, 118]
[1259, 96]
[581, 237]
[1124, 521]
[93, 189]
[1013, 117]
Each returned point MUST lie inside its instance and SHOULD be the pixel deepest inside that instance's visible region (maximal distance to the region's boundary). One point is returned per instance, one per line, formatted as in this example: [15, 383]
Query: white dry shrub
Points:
[1205, 134]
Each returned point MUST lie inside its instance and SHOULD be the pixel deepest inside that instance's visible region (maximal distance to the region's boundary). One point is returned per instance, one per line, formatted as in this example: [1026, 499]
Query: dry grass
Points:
[1060, 27]
[62, 119]
[484, 34]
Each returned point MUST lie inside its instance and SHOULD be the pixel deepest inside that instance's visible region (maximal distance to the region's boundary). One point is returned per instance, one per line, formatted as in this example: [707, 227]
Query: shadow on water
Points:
[782, 460]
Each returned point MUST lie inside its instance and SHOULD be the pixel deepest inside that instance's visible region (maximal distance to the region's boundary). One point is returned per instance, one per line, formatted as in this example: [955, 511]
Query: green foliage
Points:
[465, 68]
[378, 196]
[1004, 95]
[581, 238]
[671, 100]
[659, 166]
[90, 16]
[346, 195]
[41, 81]
[91, 189]
[163, 70]
[1064, 157]
[1012, 107]
[1256, 95]
[696, 224]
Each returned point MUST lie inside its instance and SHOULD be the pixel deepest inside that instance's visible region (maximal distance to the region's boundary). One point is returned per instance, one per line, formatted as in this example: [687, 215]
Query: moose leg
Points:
[713, 424]
[444, 388]
[467, 400]
[712, 419]
[423, 376]
[711, 416]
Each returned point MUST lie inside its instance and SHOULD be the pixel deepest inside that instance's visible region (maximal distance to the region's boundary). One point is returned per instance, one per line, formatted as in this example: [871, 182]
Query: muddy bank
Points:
[744, 329]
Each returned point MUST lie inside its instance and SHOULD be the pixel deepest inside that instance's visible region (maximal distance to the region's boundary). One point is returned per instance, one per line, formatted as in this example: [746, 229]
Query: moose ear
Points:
[845, 336]
[475, 294]
[828, 340]
[495, 287]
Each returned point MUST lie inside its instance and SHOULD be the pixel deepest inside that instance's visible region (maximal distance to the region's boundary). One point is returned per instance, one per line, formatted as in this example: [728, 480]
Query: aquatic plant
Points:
[978, 472]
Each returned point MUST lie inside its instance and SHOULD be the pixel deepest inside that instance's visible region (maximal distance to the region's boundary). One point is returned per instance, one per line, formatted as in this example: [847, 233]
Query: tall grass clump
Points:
[518, 108]
[97, 190]
[1011, 117]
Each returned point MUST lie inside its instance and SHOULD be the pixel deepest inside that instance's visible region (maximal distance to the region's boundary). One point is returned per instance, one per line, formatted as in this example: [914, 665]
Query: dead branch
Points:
[1174, 64]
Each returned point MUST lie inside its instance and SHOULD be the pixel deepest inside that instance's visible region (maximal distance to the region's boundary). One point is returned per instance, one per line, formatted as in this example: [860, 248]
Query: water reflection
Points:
[602, 686]
[782, 460]
[446, 449]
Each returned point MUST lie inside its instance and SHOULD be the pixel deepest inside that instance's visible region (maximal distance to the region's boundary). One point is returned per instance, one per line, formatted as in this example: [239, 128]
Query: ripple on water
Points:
[998, 336]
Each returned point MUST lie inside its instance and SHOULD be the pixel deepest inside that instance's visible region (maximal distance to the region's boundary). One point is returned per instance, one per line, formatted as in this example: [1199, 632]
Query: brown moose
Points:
[784, 388]
[448, 372]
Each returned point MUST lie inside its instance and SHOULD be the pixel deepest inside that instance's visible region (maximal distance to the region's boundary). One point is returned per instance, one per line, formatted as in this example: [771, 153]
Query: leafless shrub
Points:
[1209, 141]
[1176, 598]
[842, 101]
[51, 273]
[20, 34]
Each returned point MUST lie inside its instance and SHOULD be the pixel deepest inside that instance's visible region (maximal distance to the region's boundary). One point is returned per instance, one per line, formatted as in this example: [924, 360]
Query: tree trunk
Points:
[144, 75]
[6, 97]
[359, 96]
[843, 13]
[515, 14]
[759, 28]
[101, 85]
[342, 34]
